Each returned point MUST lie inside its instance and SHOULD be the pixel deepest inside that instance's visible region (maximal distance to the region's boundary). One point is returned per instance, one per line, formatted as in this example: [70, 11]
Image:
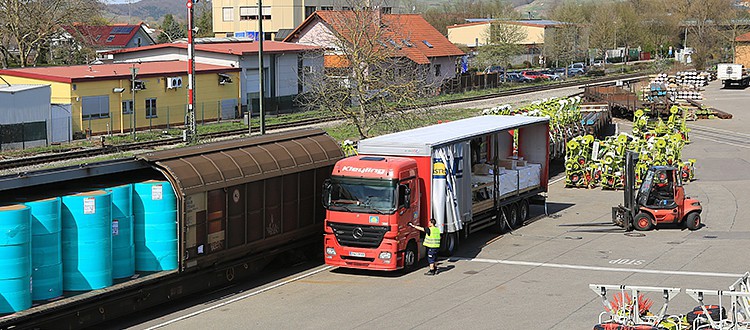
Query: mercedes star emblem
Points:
[358, 233]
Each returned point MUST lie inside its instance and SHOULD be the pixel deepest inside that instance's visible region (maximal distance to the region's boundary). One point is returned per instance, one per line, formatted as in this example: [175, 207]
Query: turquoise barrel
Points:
[87, 240]
[15, 258]
[123, 248]
[155, 230]
[46, 249]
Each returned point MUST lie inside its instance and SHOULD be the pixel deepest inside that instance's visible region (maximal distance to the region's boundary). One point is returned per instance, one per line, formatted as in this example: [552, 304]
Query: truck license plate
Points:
[357, 254]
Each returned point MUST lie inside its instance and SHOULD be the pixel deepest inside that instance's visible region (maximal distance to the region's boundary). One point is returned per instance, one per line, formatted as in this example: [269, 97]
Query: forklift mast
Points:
[631, 158]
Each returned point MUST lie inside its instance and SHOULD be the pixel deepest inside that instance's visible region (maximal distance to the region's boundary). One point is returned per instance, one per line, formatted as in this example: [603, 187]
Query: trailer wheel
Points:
[410, 257]
[642, 222]
[693, 221]
[449, 244]
[501, 222]
[523, 210]
[512, 215]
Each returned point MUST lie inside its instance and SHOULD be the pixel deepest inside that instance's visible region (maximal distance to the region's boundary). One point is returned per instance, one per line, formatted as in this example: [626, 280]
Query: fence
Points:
[471, 81]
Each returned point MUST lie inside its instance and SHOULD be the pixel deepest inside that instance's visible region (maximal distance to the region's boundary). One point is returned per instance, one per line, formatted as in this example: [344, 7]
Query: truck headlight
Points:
[385, 255]
[330, 251]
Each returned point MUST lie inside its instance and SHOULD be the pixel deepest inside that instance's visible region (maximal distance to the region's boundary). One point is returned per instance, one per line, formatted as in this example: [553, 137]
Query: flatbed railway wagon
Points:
[204, 216]
[469, 174]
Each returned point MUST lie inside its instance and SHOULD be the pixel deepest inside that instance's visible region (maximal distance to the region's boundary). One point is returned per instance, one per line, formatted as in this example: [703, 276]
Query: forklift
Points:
[660, 199]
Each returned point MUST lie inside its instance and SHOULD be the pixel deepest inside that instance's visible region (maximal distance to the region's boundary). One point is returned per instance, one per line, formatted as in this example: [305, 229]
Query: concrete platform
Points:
[534, 278]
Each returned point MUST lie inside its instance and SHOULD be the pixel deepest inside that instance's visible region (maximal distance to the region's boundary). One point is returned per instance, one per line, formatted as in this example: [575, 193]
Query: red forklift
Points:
[660, 199]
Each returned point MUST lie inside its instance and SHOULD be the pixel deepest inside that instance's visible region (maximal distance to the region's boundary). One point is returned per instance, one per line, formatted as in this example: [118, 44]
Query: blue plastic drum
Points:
[87, 241]
[46, 249]
[155, 230]
[15, 258]
[123, 248]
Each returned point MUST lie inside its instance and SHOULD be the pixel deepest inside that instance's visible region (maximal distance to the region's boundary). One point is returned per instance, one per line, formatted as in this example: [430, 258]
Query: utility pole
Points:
[191, 134]
[133, 73]
[260, 69]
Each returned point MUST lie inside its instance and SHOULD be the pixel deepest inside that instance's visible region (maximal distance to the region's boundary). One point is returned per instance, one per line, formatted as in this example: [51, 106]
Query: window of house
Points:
[309, 10]
[150, 108]
[95, 107]
[248, 13]
[437, 70]
[326, 7]
[385, 10]
[127, 107]
[227, 14]
[346, 8]
[110, 38]
[266, 12]
[138, 41]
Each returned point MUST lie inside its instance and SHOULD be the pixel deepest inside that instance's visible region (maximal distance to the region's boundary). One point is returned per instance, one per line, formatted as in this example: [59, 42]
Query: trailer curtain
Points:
[450, 189]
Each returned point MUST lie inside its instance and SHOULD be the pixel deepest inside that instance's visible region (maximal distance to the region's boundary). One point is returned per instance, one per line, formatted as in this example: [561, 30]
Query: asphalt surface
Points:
[536, 277]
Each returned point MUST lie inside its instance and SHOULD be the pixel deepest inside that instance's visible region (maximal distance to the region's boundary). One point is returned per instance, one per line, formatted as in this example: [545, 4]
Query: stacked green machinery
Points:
[590, 163]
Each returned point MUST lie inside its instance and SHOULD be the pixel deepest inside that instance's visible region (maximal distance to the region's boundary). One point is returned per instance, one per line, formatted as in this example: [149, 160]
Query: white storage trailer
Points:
[732, 75]
[494, 167]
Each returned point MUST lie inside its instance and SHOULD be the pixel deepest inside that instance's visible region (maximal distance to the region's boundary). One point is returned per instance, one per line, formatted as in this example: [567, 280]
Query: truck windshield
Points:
[362, 195]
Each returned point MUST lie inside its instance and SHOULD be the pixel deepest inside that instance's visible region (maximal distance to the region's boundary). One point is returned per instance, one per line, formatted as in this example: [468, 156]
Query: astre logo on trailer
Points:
[363, 170]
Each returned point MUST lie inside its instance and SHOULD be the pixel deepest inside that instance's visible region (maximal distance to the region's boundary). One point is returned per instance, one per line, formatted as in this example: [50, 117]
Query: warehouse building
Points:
[102, 100]
[27, 118]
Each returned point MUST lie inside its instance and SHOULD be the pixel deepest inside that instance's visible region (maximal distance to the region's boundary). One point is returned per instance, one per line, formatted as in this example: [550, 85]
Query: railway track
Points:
[9, 164]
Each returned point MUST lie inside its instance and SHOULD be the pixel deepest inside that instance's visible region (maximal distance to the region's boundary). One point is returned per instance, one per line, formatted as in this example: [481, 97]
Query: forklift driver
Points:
[661, 194]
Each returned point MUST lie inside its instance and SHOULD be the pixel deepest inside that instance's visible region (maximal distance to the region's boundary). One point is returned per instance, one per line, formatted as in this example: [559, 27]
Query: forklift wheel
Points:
[642, 222]
[693, 221]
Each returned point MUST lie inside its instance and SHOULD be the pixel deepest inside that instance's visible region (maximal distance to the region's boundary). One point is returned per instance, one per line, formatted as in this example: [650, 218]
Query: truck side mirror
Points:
[326, 195]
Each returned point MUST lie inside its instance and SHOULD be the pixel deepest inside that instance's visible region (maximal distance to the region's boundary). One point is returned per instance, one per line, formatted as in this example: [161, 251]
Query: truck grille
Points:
[358, 235]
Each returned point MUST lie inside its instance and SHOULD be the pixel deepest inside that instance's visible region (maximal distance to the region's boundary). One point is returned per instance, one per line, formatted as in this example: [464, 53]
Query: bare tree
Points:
[368, 79]
[505, 39]
[702, 33]
[29, 25]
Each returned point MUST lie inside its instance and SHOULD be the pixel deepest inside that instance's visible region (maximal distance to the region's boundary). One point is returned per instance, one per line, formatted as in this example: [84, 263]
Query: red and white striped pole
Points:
[191, 135]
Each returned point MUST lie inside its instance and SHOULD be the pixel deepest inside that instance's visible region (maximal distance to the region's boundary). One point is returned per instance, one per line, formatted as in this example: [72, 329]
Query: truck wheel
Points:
[512, 215]
[501, 222]
[523, 210]
[449, 244]
[693, 221]
[642, 222]
[411, 256]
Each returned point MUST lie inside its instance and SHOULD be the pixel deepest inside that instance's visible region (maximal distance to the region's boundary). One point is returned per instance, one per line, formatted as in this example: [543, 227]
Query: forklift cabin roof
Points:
[421, 141]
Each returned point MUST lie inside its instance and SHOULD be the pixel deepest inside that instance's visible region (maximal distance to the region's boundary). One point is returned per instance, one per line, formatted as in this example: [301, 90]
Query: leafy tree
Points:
[204, 20]
[371, 80]
[171, 30]
[504, 43]
[703, 33]
[29, 25]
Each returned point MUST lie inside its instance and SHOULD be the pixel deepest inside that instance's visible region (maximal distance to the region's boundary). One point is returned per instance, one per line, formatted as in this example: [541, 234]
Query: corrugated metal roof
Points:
[420, 141]
[18, 88]
[233, 162]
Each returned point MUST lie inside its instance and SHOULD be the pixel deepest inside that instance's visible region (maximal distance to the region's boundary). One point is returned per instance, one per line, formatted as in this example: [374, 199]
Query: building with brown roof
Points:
[101, 99]
[406, 36]
[742, 50]
[285, 65]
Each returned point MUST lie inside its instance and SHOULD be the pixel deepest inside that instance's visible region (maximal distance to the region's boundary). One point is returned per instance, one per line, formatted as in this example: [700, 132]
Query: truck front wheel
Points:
[410, 257]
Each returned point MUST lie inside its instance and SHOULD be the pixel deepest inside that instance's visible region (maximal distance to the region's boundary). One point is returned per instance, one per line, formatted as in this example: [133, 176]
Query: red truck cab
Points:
[369, 200]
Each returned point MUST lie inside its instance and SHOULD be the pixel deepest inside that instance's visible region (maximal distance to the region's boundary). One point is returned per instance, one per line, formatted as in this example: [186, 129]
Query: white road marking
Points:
[717, 141]
[604, 269]
[556, 180]
[235, 299]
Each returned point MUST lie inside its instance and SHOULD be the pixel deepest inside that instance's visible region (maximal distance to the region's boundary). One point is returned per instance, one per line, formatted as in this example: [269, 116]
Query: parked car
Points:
[600, 63]
[533, 75]
[552, 74]
[578, 65]
[516, 77]
[494, 69]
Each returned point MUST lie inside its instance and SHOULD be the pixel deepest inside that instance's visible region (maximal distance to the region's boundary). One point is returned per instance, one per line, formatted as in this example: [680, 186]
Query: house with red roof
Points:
[742, 50]
[285, 65]
[404, 36]
[104, 98]
[103, 38]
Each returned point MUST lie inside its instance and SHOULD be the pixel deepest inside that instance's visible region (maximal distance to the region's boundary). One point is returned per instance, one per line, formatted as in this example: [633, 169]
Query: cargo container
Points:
[238, 203]
[468, 175]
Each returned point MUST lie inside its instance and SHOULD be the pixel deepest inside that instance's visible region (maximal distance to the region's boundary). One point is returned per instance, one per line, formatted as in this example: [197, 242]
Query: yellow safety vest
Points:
[433, 239]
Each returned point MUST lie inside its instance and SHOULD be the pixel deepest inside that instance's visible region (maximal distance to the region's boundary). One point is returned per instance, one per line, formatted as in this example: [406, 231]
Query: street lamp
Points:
[133, 73]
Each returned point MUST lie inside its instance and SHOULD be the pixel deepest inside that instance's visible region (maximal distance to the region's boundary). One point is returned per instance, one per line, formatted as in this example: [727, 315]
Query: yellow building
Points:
[101, 101]
[239, 18]
[477, 33]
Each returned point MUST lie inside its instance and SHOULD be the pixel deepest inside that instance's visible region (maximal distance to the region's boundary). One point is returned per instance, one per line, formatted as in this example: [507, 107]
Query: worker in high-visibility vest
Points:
[432, 243]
